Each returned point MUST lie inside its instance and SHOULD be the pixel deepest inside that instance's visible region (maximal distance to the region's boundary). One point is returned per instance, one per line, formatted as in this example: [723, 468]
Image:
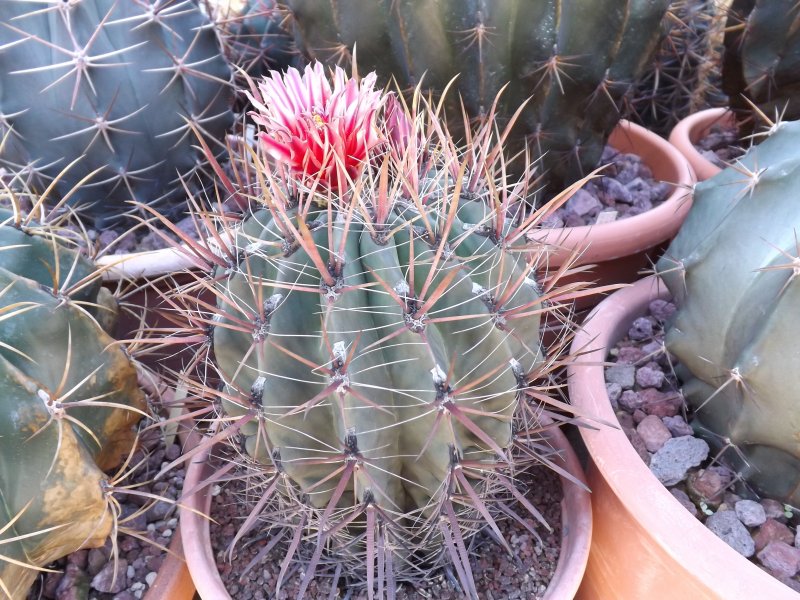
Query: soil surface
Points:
[652, 412]
[525, 575]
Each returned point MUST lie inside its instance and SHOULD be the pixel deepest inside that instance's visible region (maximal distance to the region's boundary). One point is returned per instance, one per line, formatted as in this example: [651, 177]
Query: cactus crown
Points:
[376, 331]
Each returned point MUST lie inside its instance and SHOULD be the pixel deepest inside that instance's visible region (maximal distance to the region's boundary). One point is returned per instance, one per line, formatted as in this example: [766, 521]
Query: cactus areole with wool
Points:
[734, 271]
[377, 330]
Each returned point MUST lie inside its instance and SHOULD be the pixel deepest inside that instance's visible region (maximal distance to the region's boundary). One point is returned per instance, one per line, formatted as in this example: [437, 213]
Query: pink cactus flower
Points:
[320, 133]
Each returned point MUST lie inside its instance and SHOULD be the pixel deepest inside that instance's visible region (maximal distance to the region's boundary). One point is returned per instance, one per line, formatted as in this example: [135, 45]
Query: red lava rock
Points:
[708, 485]
[653, 432]
[772, 531]
[638, 416]
[625, 420]
[677, 426]
[660, 404]
[780, 558]
[662, 309]
[630, 355]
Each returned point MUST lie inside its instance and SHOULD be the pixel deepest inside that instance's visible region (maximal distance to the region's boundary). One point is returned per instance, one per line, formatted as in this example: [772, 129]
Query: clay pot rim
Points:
[607, 241]
[692, 128]
[576, 520]
[686, 539]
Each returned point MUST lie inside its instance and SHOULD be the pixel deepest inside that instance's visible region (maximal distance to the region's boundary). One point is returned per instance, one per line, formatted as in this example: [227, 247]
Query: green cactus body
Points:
[124, 106]
[576, 60]
[762, 45]
[733, 270]
[52, 455]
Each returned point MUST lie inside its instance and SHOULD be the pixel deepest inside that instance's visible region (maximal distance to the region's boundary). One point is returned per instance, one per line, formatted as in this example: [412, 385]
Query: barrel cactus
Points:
[110, 92]
[377, 332]
[577, 61]
[733, 271]
[69, 400]
[760, 68]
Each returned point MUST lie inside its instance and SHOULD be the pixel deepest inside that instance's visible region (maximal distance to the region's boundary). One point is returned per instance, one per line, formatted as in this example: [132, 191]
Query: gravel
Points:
[525, 575]
[762, 529]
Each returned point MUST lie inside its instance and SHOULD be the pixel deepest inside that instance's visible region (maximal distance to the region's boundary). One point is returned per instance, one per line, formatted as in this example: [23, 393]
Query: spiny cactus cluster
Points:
[575, 62]
[733, 271]
[69, 401]
[252, 34]
[105, 99]
[760, 68]
[686, 73]
[377, 333]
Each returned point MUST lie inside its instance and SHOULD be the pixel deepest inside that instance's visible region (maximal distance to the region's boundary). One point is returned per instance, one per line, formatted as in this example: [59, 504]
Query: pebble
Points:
[781, 559]
[674, 459]
[750, 513]
[630, 400]
[112, 577]
[708, 485]
[614, 391]
[641, 329]
[649, 377]
[583, 204]
[660, 404]
[726, 525]
[653, 432]
[622, 375]
[638, 444]
[772, 531]
[150, 578]
[630, 355]
[774, 510]
[662, 310]
[677, 425]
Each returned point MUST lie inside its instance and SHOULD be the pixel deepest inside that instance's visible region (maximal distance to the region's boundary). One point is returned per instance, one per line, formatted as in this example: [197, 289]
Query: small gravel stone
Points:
[630, 400]
[685, 501]
[660, 404]
[708, 485]
[772, 531]
[649, 377]
[750, 513]
[614, 391]
[674, 459]
[677, 426]
[150, 578]
[582, 203]
[653, 432]
[630, 355]
[612, 191]
[638, 444]
[662, 309]
[641, 329]
[625, 420]
[797, 538]
[622, 375]
[105, 580]
[726, 525]
[781, 559]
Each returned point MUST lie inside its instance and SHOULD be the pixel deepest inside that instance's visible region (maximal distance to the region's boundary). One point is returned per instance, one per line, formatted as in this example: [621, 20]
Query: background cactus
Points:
[69, 401]
[761, 48]
[686, 73]
[578, 59]
[733, 272]
[115, 87]
[252, 34]
[377, 333]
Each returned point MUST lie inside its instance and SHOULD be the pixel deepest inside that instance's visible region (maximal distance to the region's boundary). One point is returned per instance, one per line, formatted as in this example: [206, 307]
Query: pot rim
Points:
[576, 525]
[690, 129]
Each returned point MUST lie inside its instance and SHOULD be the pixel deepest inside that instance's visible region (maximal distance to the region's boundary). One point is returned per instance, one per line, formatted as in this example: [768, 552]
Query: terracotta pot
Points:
[693, 128]
[576, 527]
[644, 543]
[621, 249]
